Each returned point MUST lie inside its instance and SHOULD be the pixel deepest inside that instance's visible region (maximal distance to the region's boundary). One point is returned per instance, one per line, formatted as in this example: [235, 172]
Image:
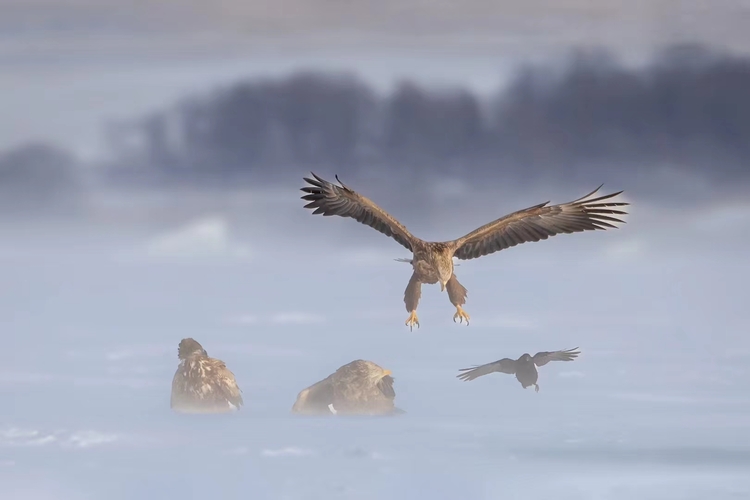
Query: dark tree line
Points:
[591, 118]
[689, 107]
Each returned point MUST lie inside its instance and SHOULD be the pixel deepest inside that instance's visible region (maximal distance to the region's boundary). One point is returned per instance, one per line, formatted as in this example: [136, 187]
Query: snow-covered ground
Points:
[656, 406]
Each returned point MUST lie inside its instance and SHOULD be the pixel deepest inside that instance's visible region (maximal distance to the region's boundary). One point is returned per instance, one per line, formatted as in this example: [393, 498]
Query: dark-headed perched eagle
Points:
[357, 388]
[203, 384]
[524, 368]
[433, 261]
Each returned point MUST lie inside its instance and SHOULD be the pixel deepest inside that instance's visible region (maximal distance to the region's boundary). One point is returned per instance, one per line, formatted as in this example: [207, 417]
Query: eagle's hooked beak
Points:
[387, 372]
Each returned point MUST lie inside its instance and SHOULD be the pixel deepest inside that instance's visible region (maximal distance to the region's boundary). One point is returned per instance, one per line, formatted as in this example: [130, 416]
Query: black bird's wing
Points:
[505, 365]
[544, 357]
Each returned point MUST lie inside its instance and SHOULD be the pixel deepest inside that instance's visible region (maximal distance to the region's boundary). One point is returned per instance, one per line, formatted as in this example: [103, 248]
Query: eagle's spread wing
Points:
[505, 365]
[544, 357]
[386, 387]
[539, 223]
[329, 199]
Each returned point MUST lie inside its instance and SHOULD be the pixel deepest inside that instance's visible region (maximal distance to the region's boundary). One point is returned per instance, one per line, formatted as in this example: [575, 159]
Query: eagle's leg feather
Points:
[411, 300]
[457, 295]
[536, 387]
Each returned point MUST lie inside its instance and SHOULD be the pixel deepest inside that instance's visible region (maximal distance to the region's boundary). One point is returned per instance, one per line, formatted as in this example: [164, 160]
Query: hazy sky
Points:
[539, 22]
[68, 65]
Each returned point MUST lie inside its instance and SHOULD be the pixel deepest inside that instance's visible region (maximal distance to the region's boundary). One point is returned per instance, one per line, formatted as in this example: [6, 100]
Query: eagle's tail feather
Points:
[411, 261]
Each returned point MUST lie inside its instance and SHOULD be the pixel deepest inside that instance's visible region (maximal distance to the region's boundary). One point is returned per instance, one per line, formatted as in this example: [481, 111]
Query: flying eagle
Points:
[433, 261]
[202, 384]
[358, 388]
[524, 368]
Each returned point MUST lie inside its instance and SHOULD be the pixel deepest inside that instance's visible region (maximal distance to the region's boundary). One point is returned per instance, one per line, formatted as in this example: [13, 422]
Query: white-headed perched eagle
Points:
[432, 262]
[357, 388]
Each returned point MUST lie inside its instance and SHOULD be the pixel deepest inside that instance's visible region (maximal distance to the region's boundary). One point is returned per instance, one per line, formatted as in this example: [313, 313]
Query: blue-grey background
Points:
[150, 161]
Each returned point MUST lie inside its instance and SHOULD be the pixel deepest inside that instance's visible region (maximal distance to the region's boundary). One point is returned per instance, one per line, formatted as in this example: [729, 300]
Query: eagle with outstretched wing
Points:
[203, 384]
[524, 368]
[432, 262]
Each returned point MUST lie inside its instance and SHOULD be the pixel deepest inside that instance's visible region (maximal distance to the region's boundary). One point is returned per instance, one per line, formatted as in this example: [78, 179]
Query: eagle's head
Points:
[189, 347]
[381, 378]
[375, 373]
[526, 357]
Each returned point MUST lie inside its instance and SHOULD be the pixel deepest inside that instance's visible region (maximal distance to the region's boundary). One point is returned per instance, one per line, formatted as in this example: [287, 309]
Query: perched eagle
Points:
[202, 384]
[524, 368]
[433, 261]
[358, 388]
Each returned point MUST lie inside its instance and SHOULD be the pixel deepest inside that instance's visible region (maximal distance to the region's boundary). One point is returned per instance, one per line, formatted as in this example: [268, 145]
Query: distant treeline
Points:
[689, 107]
[592, 116]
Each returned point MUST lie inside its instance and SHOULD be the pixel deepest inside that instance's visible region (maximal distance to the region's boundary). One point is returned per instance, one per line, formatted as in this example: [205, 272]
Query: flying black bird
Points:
[524, 368]
[433, 261]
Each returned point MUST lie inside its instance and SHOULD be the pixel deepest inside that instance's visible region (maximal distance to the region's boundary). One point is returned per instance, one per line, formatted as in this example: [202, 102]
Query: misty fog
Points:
[191, 225]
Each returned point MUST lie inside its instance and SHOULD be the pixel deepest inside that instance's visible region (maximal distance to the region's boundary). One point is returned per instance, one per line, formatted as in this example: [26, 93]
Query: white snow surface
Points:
[656, 406]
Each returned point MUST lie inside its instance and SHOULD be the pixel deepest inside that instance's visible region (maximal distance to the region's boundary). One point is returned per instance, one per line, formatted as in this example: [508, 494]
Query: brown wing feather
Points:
[539, 223]
[505, 365]
[386, 387]
[315, 399]
[224, 378]
[544, 357]
[329, 199]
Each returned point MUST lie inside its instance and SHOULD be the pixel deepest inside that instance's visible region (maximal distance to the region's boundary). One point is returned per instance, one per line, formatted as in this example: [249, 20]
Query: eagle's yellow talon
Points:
[461, 315]
[412, 320]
